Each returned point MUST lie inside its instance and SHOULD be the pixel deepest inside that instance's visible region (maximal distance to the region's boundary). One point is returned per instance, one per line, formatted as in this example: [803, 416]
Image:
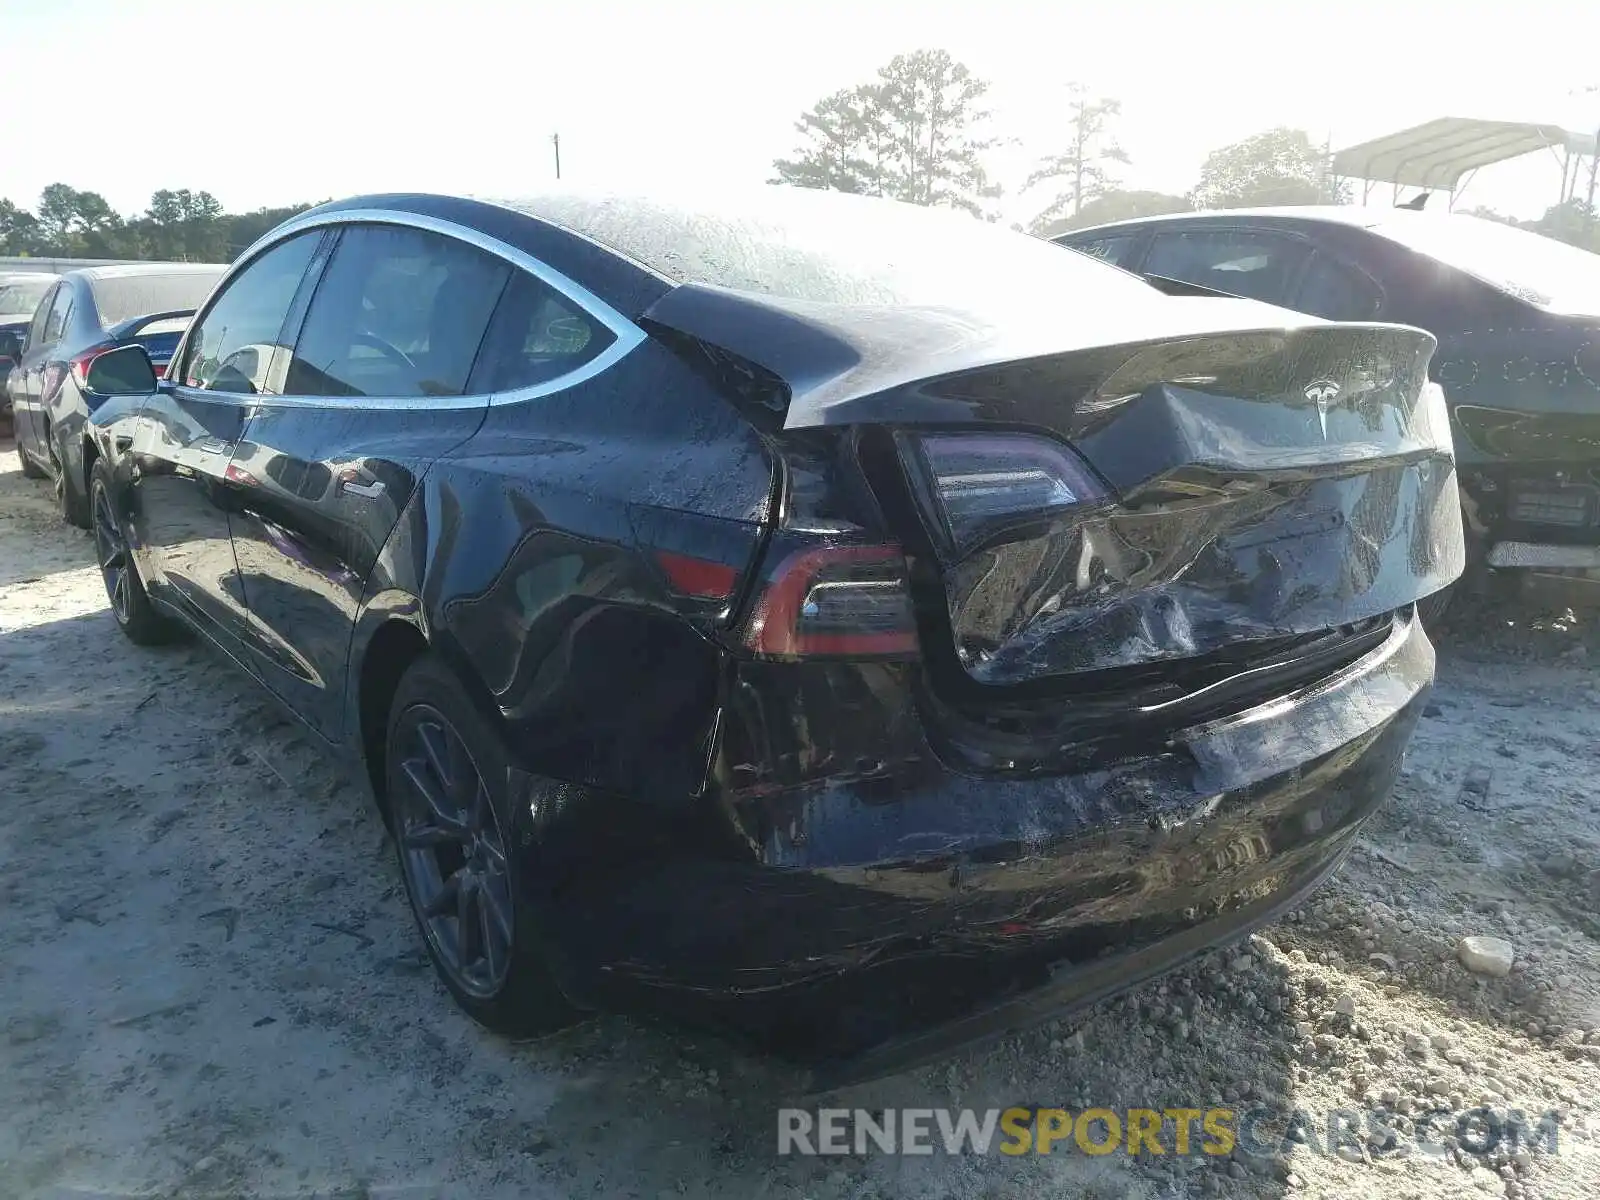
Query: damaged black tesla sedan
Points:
[852, 626]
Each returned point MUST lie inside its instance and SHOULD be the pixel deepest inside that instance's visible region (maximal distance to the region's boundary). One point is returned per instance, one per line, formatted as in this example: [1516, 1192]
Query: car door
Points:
[375, 389]
[1258, 264]
[49, 321]
[184, 485]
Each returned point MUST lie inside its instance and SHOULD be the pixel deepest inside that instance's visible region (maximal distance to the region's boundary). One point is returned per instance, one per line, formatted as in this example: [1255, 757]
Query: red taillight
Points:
[54, 375]
[840, 601]
[161, 369]
[697, 576]
[80, 366]
[237, 474]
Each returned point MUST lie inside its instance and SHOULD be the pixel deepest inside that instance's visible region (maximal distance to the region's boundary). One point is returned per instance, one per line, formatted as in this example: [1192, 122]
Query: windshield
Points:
[1531, 267]
[23, 295]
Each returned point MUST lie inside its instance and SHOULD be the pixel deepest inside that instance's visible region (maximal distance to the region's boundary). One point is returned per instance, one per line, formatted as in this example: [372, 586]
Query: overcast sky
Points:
[266, 102]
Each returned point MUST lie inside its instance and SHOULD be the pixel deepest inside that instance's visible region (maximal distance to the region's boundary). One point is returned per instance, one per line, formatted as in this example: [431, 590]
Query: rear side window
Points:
[1340, 293]
[40, 316]
[538, 335]
[1113, 248]
[55, 323]
[1258, 266]
[399, 312]
[231, 348]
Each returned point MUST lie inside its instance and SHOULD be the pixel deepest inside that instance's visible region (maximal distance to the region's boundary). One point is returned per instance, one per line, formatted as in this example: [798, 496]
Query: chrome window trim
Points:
[625, 333]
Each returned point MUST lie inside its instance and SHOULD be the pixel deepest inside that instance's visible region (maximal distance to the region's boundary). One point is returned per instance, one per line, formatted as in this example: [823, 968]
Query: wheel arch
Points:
[91, 453]
[391, 635]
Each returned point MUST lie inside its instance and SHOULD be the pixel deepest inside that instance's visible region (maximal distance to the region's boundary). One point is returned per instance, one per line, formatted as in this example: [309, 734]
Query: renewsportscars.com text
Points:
[1177, 1131]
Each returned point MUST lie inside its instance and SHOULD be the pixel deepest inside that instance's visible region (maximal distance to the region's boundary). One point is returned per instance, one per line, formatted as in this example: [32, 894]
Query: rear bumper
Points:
[1544, 556]
[865, 926]
[1533, 515]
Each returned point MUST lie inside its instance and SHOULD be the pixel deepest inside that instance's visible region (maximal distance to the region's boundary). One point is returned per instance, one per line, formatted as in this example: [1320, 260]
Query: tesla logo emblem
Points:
[1322, 393]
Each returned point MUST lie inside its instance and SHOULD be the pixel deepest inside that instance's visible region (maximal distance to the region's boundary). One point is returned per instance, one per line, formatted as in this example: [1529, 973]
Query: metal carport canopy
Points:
[1438, 153]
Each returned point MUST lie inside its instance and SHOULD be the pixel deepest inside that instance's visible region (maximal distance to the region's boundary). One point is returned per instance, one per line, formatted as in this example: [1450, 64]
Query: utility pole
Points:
[1594, 172]
[555, 140]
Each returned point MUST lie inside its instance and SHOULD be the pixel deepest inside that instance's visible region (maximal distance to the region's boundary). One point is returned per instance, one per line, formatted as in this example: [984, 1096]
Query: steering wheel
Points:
[387, 349]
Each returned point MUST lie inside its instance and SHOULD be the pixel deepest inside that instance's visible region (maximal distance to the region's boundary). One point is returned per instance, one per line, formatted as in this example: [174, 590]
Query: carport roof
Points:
[1438, 153]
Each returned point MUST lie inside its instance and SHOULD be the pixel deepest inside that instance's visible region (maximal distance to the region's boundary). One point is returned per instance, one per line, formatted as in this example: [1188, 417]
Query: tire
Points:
[30, 469]
[74, 509]
[132, 610]
[520, 997]
[1433, 610]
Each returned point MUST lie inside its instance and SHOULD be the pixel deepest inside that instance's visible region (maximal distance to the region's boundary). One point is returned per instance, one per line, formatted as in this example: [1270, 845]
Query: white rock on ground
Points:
[1486, 955]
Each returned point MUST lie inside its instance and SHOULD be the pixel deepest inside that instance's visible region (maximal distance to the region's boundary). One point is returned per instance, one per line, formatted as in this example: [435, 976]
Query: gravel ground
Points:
[212, 985]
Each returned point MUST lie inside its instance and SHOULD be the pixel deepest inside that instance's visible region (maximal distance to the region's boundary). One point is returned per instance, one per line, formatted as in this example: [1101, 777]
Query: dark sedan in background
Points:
[84, 314]
[849, 624]
[1517, 316]
[20, 293]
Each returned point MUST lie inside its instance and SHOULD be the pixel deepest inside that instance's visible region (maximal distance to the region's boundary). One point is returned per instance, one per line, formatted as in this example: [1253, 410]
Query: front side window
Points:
[399, 312]
[1257, 266]
[538, 335]
[232, 347]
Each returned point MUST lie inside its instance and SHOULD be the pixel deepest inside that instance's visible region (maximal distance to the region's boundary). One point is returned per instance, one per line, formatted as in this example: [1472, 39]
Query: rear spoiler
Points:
[821, 364]
[131, 327]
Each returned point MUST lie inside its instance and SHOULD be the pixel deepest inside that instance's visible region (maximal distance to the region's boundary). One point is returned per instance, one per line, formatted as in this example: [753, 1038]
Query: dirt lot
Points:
[212, 985]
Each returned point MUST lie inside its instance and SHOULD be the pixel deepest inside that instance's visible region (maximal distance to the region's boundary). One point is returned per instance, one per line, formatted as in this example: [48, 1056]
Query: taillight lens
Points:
[980, 480]
[80, 366]
[837, 601]
[54, 375]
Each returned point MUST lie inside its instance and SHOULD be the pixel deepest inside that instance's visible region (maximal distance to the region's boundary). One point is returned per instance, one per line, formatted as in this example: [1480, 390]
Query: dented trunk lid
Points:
[1266, 475]
[1261, 486]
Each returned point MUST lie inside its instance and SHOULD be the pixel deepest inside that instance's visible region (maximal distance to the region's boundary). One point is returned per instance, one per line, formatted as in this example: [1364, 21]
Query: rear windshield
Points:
[1531, 267]
[841, 249]
[23, 296]
[120, 298]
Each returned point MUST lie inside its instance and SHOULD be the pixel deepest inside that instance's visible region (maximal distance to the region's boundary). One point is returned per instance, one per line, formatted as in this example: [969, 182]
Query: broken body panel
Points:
[1131, 728]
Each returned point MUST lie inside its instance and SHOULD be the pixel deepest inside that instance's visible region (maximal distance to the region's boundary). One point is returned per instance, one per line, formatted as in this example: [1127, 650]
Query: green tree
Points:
[1279, 166]
[1571, 221]
[1080, 170]
[185, 226]
[19, 230]
[1116, 205]
[914, 134]
[74, 224]
[240, 230]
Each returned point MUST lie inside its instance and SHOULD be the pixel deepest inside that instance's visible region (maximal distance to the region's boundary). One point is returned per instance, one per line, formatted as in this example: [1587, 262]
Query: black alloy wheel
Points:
[130, 605]
[453, 853]
[446, 767]
[69, 504]
[111, 552]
